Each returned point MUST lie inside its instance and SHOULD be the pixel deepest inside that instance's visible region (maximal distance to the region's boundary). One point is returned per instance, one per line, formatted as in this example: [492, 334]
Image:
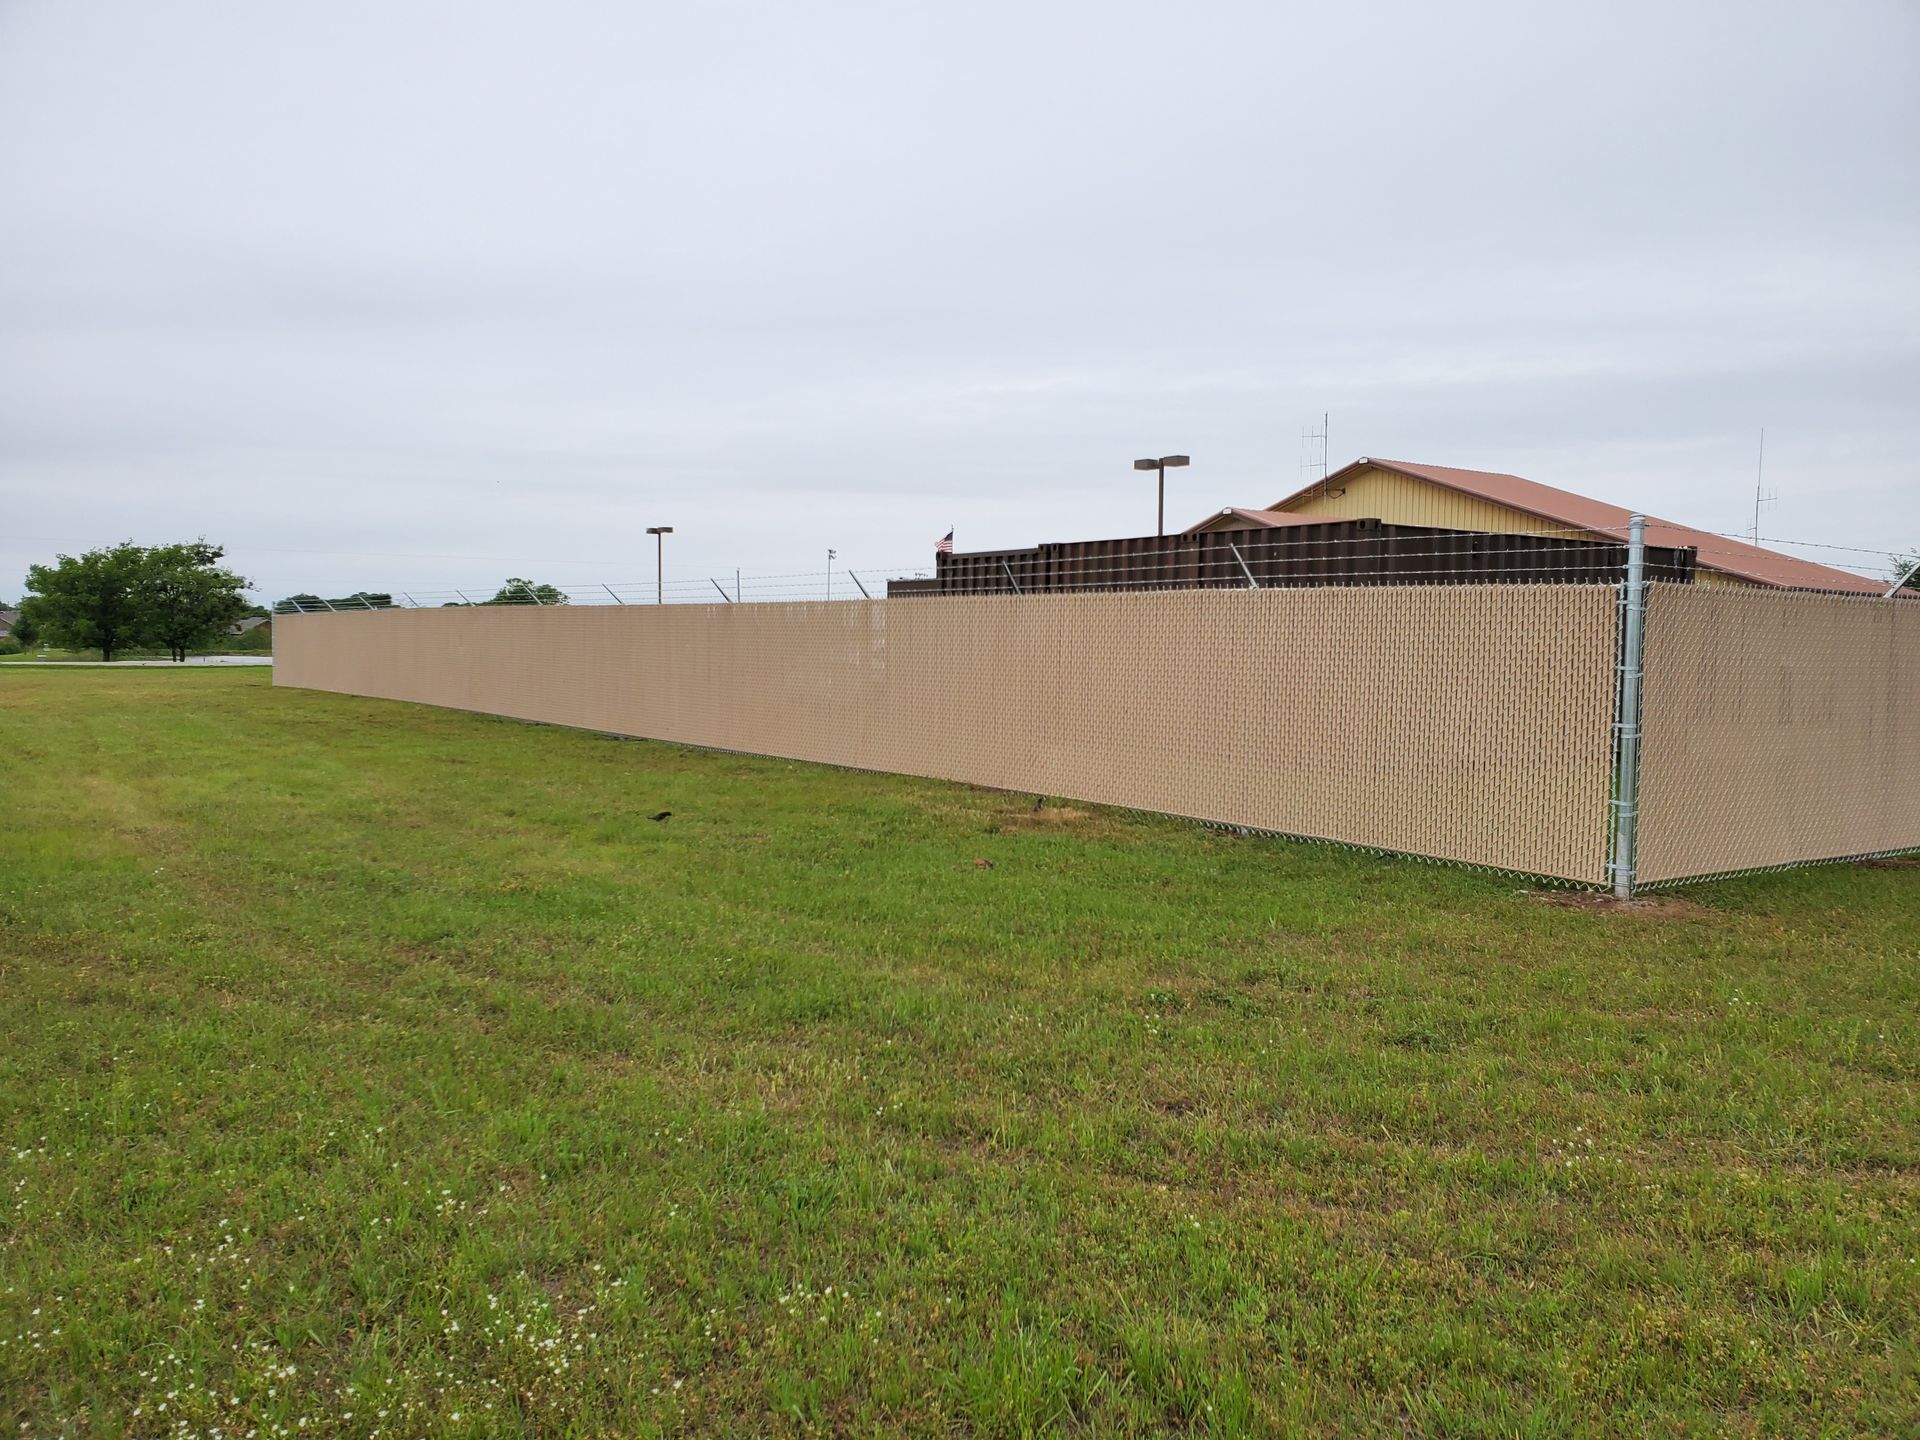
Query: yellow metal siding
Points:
[1399, 500]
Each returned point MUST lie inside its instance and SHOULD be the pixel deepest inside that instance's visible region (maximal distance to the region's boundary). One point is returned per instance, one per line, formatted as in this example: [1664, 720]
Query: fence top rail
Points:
[1083, 594]
[1349, 552]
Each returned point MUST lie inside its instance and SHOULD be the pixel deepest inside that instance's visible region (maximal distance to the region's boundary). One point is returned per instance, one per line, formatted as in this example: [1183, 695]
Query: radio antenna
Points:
[1760, 495]
[1313, 451]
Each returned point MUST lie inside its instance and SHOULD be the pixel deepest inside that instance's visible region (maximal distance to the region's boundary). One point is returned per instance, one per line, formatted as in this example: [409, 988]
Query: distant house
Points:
[249, 622]
[1400, 493]
[8, 619]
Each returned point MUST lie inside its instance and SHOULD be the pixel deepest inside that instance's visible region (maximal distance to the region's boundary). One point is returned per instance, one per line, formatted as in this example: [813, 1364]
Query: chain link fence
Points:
[1632, 733]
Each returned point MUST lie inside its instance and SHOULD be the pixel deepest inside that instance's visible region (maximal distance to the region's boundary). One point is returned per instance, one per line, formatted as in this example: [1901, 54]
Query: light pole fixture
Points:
[659, 561]
[830, 555]
[1161, 466]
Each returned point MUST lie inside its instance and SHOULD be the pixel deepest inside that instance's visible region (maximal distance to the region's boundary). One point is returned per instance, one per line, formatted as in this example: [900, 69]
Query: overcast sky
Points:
[414, 295]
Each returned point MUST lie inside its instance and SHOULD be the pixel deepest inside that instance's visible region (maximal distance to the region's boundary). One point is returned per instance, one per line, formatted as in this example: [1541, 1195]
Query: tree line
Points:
[171, 597]
[178, 598]
[515, 591]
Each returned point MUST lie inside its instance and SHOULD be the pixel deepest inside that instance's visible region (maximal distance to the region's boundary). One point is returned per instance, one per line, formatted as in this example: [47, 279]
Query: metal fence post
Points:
[1626, 729]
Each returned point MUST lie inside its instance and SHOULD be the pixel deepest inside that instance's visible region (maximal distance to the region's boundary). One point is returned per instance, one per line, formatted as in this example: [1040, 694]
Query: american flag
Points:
[944, 545]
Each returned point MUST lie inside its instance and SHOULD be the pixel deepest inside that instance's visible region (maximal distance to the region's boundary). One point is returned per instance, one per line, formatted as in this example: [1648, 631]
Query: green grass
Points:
[374, 1061]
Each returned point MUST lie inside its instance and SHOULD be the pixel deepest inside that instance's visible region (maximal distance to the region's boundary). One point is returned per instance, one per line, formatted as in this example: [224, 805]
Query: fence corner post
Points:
[1626, 780]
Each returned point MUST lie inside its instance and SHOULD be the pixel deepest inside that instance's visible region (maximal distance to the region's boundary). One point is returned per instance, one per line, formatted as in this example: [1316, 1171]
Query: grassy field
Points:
[378, 1070]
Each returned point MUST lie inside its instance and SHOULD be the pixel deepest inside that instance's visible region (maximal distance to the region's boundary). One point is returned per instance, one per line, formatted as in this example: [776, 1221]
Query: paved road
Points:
[130, 664]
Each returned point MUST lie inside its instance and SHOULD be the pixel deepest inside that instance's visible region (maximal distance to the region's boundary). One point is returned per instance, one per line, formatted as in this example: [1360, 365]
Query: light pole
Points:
[659, 561]
[830, 555]
[1160, 467]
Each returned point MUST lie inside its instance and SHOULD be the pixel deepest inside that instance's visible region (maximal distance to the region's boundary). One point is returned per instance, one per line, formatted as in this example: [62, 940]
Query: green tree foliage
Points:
[185, 598]
[89, 601]
[125, 595]
[524, 592]
[359, 600]
[256, 641]
[1906, 571]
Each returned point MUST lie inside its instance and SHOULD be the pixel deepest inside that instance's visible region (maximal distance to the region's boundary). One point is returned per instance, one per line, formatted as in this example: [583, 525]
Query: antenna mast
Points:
[1760, 496]
[1313, 451]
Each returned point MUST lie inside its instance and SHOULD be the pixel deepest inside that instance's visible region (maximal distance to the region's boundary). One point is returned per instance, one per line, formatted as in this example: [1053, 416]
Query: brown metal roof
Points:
[1578, 512]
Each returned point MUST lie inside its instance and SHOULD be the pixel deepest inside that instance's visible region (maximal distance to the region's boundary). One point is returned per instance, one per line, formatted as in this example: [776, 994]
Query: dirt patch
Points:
[1057, 815]
[1660, 907]
[1175, 1105]
[1050, 817]
[1894, 862]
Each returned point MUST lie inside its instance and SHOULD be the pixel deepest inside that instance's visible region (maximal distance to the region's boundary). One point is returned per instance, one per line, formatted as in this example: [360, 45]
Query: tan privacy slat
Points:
[1468, 723]
[1777, 727]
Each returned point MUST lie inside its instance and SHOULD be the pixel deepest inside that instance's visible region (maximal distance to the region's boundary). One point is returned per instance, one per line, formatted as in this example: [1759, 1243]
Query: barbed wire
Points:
[1284, 536]
[1735, 547]
[1256, 559]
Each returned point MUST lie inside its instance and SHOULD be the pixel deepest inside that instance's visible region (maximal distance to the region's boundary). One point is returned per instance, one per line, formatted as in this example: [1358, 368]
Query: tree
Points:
[88, 601]
[185, 598]
[359, 600]
[1906, 571]
[524, 592]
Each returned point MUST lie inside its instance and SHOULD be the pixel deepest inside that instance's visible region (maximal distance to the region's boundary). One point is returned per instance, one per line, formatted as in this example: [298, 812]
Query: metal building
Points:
[1401, 493]
[1291, 550]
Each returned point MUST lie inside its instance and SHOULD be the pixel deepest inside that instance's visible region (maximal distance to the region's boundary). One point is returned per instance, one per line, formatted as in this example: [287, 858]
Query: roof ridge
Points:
[1751, 561]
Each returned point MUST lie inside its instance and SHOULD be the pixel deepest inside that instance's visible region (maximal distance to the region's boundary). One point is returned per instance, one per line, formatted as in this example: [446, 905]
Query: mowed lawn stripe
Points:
[372, 1065]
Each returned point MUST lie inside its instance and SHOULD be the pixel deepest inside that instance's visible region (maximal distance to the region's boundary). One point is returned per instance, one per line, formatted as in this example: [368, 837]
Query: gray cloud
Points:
[415, 294]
